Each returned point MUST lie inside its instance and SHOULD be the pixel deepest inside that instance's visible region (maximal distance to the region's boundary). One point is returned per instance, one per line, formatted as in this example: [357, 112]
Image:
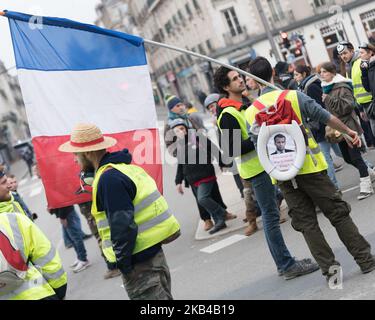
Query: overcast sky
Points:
[79, 10]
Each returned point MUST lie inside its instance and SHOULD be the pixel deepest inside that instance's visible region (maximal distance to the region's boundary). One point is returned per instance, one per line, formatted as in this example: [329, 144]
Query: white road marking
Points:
[22, 182]
[223, 243]
[35, 192]
[350, 189]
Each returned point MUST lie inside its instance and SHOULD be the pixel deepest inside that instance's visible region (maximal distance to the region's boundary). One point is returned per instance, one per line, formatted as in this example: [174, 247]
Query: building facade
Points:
[232, 31]
[13, 120]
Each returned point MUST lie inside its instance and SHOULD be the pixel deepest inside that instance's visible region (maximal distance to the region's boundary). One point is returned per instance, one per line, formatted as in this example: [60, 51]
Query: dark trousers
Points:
[149, 280]
[205, 199]
[216, 195]
[367, 131]
[318, 189]
[353, 156]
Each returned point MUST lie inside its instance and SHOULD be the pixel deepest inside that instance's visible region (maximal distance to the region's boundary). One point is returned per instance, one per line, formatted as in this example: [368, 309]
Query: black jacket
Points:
[314, 90]
[115, 196]
[368, 78]
[195, 155]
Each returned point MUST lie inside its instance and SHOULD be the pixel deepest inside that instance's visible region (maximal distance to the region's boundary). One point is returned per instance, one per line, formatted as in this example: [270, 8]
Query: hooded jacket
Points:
[340, 101]
[115, 196]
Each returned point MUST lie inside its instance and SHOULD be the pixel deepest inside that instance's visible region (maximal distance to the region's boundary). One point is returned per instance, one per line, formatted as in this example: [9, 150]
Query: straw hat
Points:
[87, 137]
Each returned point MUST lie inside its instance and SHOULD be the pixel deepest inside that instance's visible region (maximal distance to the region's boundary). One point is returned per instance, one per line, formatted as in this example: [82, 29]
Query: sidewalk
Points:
[235, 204]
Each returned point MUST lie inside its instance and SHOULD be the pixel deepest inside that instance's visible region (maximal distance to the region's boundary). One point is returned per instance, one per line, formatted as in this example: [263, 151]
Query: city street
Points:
[280, 82]
[241, 270]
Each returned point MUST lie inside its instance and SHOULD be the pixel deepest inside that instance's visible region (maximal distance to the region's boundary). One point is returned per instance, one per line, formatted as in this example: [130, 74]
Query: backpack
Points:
[280, 113]
[13, 267]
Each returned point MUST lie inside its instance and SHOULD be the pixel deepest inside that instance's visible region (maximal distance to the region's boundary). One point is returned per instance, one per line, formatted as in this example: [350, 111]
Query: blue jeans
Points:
[205, 199]
[325, 146]
[67, 240]
[74, 232]
[265, 193]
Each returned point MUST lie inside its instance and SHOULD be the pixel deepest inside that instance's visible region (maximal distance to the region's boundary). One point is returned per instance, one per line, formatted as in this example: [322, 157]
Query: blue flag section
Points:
[54, 44]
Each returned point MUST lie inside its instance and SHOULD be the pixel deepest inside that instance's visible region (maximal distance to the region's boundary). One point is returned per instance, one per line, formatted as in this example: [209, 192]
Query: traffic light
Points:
[286, 41]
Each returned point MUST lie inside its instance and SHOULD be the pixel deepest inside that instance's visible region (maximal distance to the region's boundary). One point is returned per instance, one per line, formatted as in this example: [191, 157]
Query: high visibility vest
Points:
[270, 99]
[360, 93]
[11, 206]
[45, 270]
[151, 214]
[248, 164]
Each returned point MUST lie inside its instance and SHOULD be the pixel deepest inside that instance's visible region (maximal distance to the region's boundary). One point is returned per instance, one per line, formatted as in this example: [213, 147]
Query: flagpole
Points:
[174, 48]
[201, 56]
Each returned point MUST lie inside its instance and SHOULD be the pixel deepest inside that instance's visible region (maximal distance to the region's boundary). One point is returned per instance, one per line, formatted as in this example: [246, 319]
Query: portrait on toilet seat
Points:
[281, 150]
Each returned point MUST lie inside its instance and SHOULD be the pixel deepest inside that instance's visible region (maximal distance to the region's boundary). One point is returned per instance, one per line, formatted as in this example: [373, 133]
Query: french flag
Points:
[72, 73]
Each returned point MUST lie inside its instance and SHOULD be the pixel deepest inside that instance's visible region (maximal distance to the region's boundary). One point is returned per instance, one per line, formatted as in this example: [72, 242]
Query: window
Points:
[2, 92]
[188, 11]
[178, 63]
[201, 49]
[168, 27]
[368, 22]
[320, 3]
[161, 34]
[276, 10]
[209, 46]
[232, 21]
[175, 21]
[180, 15]
[196, 5]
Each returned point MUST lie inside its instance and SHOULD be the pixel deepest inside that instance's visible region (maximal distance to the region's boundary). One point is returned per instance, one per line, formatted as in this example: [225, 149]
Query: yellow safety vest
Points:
[248, 164]
[45, 270]
[11, 206]
[270, 99]
[360, 93]
[155, 222]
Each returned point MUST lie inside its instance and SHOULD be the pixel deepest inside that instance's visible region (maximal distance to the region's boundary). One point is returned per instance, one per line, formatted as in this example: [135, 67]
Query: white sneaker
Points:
[82, 265]
[74, 264]
[366, 189]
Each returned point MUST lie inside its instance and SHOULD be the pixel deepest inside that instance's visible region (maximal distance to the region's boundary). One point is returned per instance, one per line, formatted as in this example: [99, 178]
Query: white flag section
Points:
[77, 73]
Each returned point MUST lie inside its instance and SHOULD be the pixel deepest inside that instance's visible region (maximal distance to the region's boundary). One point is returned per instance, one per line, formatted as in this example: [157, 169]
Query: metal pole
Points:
[267, 29]
[167, 46]
[158, 44]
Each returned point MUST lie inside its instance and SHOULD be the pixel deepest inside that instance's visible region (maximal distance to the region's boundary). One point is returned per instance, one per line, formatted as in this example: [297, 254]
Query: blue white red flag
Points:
[72, 73]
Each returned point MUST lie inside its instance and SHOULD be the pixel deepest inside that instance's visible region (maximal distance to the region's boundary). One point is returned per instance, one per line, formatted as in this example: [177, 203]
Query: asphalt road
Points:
[236, 267]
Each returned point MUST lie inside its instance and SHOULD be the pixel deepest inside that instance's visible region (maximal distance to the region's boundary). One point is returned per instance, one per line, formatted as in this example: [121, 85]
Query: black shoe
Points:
[69, 246]
[218, 226]
[281, 272]
[300, 268]
[87, 236]
[370, 268]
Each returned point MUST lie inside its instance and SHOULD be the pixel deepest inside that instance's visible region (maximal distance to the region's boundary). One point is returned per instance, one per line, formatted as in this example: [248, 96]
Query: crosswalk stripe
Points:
[22, 182]
[223, 243]
[35, 192]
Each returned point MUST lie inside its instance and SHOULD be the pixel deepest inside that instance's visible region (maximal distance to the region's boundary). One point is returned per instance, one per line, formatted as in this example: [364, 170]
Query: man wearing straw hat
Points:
[132, 216]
